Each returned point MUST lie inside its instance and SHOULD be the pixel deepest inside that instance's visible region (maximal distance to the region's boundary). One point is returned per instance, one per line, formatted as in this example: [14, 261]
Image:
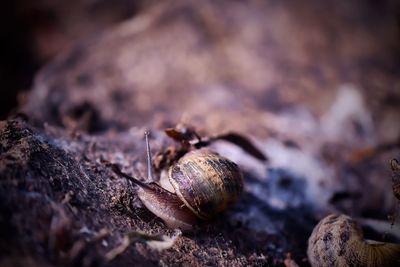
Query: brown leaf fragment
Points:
[395, 177]
[289, 262]
[242, 142]
[156, 242]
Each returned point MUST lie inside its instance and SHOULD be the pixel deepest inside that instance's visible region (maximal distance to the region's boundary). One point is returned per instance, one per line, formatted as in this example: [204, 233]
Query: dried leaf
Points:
[166, 242]
[395, 177]
[289, 262]
[157, 242]
[119, 249]
[242, 142]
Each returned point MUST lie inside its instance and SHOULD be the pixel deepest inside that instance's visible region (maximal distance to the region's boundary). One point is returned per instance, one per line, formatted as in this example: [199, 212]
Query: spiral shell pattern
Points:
[337, 240]
[206, 182]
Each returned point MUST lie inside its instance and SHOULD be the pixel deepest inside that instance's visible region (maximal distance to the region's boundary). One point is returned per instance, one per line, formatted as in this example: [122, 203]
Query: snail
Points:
[204, 183]
[337, 240]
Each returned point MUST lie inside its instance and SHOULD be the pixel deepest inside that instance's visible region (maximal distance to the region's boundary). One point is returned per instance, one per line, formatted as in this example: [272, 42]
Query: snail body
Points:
[205, 184]
[337, 240]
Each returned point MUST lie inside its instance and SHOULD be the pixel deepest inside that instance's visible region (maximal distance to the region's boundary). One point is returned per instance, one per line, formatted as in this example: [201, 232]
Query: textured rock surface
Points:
[56, 196]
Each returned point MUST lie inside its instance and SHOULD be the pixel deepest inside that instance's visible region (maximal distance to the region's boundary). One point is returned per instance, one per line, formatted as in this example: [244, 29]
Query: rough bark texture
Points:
[56, 195]
[316, 87]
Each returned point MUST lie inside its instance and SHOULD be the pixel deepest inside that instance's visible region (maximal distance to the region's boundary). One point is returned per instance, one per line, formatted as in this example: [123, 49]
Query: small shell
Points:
[206, 182]
[337, 240]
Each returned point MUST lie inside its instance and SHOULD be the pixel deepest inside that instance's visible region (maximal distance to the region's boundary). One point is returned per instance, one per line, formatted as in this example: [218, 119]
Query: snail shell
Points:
[206, 182]
[337, 240]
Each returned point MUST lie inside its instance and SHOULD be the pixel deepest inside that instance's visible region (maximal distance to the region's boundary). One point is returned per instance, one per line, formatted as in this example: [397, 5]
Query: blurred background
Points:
[33, 33]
